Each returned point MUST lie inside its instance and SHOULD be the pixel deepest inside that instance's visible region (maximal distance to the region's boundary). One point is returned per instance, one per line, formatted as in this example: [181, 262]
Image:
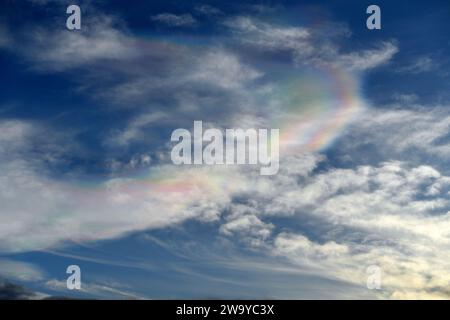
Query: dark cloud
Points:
[11, 291]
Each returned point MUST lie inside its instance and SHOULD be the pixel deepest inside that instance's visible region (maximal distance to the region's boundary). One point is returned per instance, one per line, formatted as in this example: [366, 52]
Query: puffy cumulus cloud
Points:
[371, 215]
[137, 161]
[389, 199]
[248, 227]
[404, 275]
[299, 246]
[391, 180]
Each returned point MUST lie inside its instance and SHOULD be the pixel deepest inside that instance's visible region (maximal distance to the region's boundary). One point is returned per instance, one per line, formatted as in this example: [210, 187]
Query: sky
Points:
[86, 176]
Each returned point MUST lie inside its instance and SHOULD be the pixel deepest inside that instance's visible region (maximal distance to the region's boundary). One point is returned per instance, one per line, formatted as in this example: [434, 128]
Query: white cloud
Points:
[5, 40]
[394, 215]
[271, 37]
[133, 131]
[208, 10]
[108, 290]
[173, 20]
[98, 40]
[388, 221]
[308, 46]
[14, 135]
[40, 212]
[400, 131]
[405, 98]
[420, 65]
[18, 270]
[223, 69]
[391, 213]
[369, 59]
[300, 247]
[248, 227]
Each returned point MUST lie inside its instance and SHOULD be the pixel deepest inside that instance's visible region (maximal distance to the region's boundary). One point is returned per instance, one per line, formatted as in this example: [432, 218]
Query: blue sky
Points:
[85, 171]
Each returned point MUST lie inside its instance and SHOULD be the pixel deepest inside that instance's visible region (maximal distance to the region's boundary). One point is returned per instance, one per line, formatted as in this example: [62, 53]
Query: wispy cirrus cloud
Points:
[208, 10]
[98, 290]
[307, 45]
[369, 59]
[420, 65]
[97, 42]
[173, 20]
[418, 130]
